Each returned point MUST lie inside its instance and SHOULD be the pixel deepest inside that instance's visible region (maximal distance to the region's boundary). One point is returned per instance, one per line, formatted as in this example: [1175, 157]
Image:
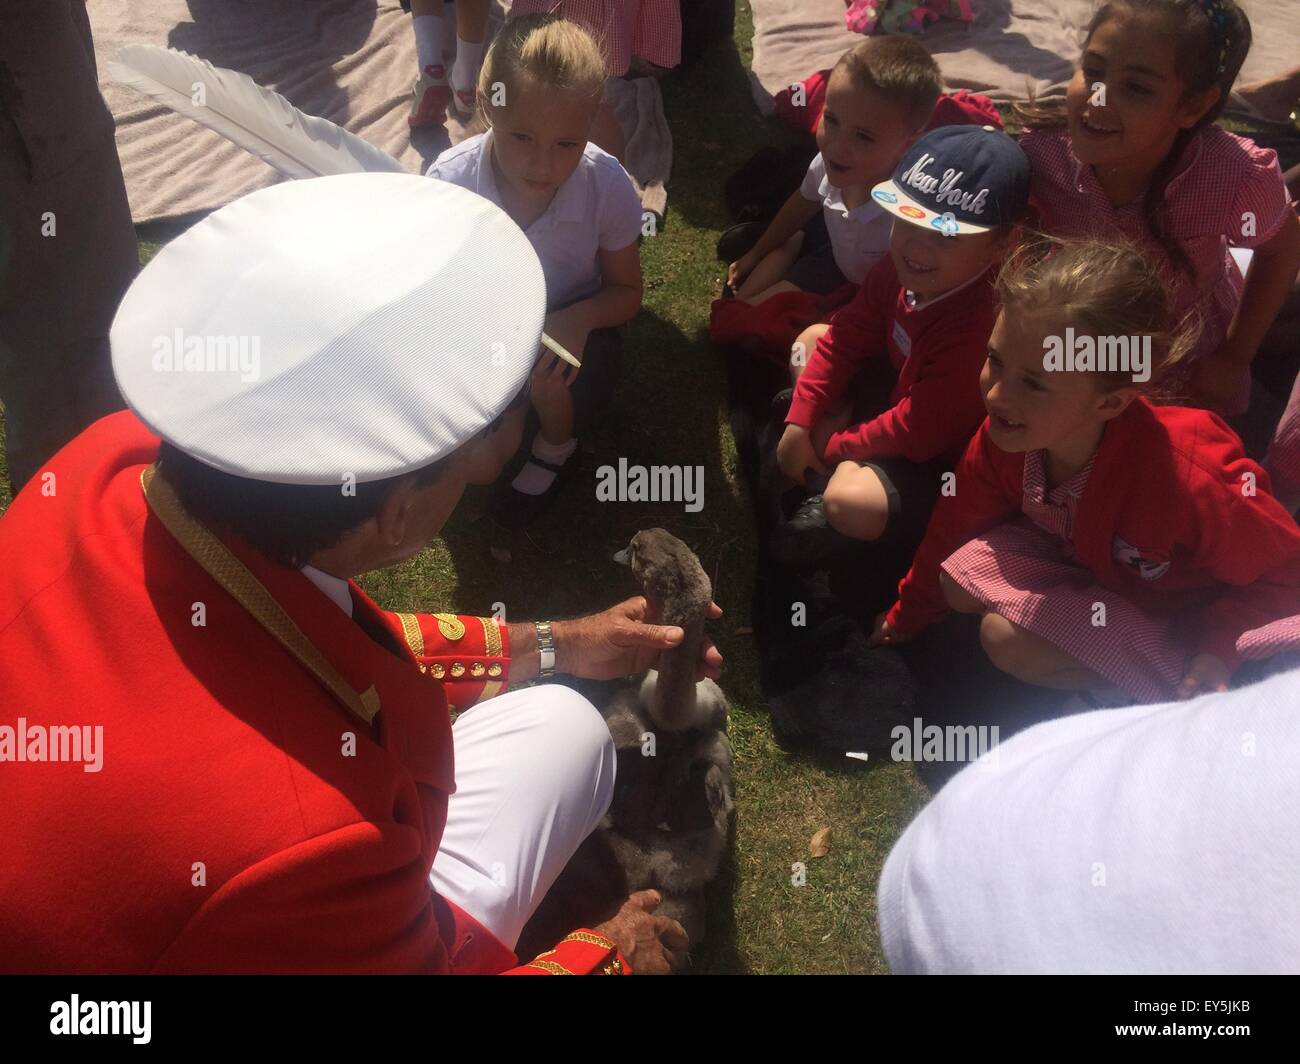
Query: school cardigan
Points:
[1174, 517]
[938, 351]
[242, 819]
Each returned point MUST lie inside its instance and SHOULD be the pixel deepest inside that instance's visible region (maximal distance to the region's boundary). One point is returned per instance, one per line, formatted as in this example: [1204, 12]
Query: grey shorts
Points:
[912, 488]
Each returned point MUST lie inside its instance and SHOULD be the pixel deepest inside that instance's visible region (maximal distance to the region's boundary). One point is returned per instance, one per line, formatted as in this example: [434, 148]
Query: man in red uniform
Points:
[217, 753]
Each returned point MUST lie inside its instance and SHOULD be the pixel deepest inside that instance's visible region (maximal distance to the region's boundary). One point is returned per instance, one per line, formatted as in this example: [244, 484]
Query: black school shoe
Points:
[514, 509]
[739, 239]
[806, 538]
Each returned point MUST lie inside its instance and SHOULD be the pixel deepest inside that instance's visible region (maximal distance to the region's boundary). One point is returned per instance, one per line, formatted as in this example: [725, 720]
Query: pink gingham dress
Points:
[1028, 572]
[1225, 191]
[651, 29]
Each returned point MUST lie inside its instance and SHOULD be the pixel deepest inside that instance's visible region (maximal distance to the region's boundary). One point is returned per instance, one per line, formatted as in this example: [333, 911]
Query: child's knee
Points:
[855, 502]
[958, 597]
[1005, 645]
[802, 348]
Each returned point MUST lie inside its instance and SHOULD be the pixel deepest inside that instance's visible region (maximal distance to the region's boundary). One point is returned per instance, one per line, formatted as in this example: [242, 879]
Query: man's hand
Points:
[622, 641]
[653, 945]
[796, 455]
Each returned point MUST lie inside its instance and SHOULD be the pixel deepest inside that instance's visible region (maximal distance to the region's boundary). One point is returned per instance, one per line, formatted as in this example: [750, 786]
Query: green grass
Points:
[670, 410]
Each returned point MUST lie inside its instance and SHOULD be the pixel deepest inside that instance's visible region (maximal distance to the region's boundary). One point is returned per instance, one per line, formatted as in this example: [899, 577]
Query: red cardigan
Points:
[938, 352]
[221, 751]
[1168, 480]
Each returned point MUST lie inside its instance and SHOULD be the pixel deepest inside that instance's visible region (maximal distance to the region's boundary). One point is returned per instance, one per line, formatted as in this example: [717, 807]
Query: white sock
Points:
[464, 72]
[534, 479]
[428, 39]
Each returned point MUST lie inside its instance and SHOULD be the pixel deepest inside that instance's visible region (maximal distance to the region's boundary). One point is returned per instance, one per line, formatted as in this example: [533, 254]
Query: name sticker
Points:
[901, 340]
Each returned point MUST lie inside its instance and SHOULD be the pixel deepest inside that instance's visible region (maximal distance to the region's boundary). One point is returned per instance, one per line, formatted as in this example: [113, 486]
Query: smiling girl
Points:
[1108, 543]
[1135, 155]
[539, 89]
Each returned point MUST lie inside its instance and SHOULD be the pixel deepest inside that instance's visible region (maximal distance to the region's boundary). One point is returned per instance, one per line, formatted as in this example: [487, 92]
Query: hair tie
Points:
[1217, 12]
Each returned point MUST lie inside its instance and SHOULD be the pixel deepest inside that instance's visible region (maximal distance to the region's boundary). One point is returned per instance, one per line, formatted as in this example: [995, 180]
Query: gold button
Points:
[494, 670]
[438, 671]
[477, 669]
[457, 670]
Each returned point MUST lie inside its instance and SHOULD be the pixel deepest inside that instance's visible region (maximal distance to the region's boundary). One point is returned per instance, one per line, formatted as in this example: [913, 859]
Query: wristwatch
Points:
[546, 647]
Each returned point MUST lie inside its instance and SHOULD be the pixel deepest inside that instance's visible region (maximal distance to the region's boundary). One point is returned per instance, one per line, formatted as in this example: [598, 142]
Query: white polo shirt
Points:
[859, 237]
[596, 209]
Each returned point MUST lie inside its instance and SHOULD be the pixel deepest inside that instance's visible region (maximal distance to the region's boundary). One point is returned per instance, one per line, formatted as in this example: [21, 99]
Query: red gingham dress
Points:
[1220, 180]
[1027, 571]
[651, 29]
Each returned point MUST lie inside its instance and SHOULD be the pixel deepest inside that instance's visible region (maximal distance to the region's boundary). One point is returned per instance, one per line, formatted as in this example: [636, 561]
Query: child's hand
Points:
[795, 454]
[740, 269]
[883, 634]
[570, 331]
[549, 381]
[1207, 673]
[1218, 379]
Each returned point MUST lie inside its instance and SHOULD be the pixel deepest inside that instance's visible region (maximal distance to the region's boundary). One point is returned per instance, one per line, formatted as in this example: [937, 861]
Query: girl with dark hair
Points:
[1134, 153]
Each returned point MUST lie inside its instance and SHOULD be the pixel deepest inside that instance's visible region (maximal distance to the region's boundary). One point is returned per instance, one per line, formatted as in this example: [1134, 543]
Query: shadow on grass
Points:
[715, 130]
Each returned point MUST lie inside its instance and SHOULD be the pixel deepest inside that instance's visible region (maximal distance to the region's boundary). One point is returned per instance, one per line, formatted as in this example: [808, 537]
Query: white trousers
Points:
[534, 776]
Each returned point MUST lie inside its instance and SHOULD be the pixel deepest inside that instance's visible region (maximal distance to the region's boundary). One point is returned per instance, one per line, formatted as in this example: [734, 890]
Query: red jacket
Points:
[226, 831]
[1169, 481]
[938, 352]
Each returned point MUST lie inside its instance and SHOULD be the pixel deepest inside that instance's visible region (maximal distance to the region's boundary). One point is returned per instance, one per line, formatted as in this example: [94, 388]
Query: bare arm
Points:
[1272, 274]
[615, 303]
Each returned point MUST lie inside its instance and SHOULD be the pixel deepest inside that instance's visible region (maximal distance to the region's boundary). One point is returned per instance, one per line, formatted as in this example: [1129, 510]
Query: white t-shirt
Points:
[596, 209]
[859, 237]
[1150, 839]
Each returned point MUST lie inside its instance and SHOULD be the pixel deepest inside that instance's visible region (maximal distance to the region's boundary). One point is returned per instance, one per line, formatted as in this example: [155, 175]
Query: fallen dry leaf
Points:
[820, 845]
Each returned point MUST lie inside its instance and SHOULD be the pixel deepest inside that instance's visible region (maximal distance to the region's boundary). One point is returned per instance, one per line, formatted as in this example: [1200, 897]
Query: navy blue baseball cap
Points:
[959, 179]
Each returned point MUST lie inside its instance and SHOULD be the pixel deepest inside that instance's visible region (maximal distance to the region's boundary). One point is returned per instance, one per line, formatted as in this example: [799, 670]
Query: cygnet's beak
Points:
[622, 558]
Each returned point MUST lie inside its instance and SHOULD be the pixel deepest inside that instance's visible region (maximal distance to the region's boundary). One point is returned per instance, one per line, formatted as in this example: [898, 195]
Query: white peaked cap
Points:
[364, 324]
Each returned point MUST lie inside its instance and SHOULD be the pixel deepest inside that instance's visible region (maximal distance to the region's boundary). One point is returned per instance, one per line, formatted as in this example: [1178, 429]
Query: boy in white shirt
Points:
[879, 98]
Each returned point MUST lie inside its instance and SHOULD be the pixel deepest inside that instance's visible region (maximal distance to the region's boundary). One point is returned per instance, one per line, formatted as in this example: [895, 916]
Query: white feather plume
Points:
[259, 120]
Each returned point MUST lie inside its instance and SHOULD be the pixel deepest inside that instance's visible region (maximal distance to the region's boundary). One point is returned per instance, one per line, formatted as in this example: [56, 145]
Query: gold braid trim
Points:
[549, 966]
[411, 630]
[215, 558]
[590, 938]
[491, 637]
[451, 626]
[492, 648]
